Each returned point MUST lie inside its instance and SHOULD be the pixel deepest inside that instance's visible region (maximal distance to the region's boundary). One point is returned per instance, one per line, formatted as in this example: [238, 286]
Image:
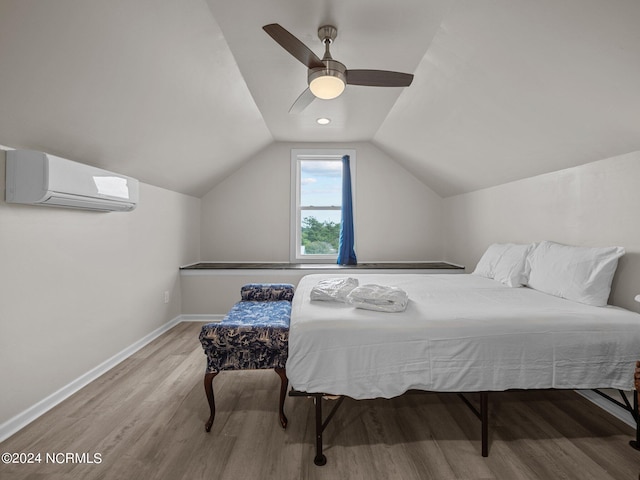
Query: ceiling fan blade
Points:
[292, 45]
[378, 78]
[302, 101]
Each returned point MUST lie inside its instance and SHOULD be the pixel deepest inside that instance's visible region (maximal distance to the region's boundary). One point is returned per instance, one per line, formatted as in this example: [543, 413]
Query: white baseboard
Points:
[610, 407]
[21, 420]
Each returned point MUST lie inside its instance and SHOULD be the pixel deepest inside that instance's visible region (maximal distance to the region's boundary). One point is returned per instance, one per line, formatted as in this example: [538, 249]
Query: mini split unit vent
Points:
[37, 178]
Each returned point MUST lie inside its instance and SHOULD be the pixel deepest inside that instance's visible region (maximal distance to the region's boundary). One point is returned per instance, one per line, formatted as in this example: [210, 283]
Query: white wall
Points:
[78, 287]
[597, 204]
[246, 217]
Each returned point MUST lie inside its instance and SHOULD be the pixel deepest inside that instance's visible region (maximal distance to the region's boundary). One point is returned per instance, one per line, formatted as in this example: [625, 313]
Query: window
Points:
[316, 201]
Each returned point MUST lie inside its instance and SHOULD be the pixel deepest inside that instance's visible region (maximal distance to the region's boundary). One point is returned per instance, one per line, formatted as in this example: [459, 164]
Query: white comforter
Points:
[459, 333]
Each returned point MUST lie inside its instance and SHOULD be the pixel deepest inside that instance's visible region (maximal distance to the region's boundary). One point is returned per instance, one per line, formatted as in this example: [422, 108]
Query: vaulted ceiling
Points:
[180, 94]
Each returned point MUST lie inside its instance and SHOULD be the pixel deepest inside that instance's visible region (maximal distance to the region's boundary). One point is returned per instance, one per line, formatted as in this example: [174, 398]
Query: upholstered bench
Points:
[253, 335]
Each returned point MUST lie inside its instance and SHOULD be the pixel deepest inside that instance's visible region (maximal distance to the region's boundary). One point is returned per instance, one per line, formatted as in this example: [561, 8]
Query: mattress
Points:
[459, 333]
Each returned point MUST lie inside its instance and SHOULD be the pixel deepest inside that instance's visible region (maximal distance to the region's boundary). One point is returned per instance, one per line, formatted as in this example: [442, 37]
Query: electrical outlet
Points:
[167, 296]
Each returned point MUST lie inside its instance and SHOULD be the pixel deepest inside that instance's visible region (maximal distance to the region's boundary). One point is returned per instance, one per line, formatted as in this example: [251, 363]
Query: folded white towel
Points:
[333, 289]
[379, 297]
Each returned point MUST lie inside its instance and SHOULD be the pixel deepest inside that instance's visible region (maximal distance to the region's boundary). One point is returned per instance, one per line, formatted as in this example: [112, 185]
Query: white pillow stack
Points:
[581, 274]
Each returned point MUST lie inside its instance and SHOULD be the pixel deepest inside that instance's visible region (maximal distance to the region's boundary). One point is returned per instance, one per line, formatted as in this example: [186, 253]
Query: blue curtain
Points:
[346, 254]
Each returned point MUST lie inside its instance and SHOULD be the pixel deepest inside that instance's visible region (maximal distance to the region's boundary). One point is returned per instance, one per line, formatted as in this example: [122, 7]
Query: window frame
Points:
[295, 224]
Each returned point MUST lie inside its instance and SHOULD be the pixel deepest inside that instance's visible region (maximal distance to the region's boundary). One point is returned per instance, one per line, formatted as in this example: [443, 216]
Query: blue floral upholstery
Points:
[267, 292]
[254, 334]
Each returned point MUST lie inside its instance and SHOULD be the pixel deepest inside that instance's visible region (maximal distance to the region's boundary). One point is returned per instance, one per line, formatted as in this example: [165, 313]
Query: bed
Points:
[459, 333]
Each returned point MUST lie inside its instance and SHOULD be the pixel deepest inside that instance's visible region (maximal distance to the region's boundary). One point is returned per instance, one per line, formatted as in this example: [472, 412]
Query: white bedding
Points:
[459, 333]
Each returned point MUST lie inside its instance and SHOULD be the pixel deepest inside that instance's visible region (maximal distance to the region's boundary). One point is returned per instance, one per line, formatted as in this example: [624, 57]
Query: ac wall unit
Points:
[37, 178]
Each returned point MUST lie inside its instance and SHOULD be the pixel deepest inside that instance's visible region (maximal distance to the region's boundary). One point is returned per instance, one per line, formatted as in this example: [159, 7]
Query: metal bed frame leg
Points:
[633, 410]
[320, 459]
[636, 416]
[484, 414]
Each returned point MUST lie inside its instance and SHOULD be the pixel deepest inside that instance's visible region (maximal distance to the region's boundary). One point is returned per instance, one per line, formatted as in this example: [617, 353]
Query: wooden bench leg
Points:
[284, 383]
[208, 388]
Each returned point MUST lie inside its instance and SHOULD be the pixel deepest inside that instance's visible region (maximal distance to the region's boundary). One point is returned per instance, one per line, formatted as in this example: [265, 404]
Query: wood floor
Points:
[145, 418]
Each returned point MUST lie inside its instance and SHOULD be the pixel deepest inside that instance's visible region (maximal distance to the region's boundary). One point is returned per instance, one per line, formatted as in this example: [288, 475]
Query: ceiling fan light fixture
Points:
[327, 87]
[328, 82]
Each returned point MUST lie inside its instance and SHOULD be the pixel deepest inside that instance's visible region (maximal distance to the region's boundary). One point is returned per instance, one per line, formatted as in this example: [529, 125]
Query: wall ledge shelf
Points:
[416, 267]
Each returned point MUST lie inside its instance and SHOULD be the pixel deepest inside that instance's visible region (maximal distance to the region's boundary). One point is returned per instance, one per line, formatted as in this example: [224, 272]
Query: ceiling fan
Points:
[327, 78]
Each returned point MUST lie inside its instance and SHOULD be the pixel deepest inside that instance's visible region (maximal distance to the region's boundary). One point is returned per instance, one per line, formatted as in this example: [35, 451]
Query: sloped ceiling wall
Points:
[145, 88]
[508, 90]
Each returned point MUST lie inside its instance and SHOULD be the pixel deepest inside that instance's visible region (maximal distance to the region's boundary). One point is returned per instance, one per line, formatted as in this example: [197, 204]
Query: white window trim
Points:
[295, 220]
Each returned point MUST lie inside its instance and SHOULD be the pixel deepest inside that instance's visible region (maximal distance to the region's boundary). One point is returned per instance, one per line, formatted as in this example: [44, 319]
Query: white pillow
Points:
[581, 274]
[487, 265]
[510, 268]
[505, 262]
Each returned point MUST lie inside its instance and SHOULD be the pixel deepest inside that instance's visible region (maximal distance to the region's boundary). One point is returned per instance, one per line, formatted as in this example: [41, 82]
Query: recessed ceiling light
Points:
[323, 121]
